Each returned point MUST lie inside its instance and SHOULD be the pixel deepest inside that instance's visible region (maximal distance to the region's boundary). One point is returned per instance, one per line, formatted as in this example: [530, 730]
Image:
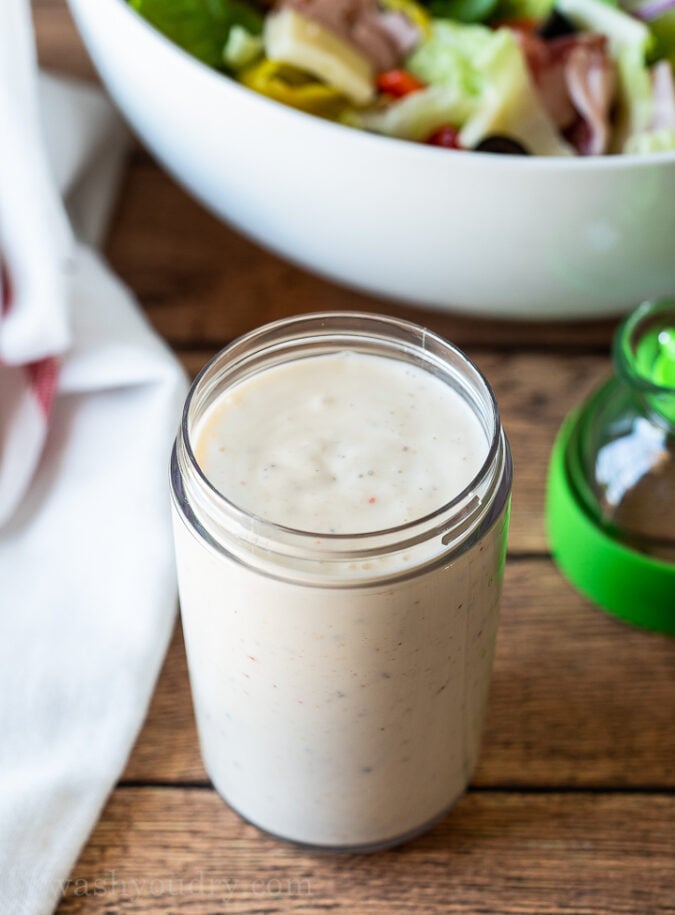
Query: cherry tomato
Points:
[445, 136]
[398, 83]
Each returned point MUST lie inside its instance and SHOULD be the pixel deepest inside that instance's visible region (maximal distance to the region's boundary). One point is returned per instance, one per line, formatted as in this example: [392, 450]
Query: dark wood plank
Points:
[171, 851]
[59, 46]
[535, 391]
[578, 698]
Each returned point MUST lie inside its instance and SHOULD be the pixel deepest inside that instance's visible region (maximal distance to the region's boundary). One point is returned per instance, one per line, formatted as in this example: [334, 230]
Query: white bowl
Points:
[486, 234]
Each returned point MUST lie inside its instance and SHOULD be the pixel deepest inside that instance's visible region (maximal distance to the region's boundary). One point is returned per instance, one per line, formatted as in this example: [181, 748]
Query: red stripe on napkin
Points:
[5, 289]
[43, 377]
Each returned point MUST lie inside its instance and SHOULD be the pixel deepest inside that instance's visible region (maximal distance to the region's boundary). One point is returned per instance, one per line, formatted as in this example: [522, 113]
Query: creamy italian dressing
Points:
[340, 702]
[341, 443]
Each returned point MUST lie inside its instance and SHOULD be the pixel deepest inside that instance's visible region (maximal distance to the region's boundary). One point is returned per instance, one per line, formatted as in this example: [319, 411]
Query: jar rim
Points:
[628, 335]
[356, 325]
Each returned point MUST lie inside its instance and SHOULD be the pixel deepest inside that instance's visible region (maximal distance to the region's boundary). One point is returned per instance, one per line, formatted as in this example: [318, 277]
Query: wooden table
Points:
[572, 809]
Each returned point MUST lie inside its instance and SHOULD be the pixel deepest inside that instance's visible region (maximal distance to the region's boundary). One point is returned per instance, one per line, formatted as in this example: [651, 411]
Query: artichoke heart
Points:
[292, 38]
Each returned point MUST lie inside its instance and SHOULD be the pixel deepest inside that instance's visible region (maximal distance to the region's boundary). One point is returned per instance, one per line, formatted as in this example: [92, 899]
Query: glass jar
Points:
[611, 488]
[340, 682]
[624, 461]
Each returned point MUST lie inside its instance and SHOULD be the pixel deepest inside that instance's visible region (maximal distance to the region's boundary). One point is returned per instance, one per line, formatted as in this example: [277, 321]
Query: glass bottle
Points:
[611, 486]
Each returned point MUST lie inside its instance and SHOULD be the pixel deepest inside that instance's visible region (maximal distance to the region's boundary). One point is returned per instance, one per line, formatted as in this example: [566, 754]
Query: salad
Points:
[524, 77]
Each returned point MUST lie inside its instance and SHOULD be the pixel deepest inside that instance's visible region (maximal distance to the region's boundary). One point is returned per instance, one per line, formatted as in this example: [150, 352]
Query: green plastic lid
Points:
[631, 585]
[611, 486]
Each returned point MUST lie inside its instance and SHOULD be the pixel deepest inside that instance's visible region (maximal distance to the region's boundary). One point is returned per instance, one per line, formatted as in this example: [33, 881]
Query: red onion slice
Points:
[652, 9]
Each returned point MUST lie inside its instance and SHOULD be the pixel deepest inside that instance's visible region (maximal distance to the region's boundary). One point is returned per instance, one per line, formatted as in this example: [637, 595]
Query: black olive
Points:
[556, 26]
[505, 145]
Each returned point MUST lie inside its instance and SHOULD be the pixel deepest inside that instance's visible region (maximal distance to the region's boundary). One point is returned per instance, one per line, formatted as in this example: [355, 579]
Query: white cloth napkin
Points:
[89, 404]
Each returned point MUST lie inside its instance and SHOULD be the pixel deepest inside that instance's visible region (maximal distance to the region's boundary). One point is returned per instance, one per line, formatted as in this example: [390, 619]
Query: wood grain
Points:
[59, 46]
[496, 854]
[578, 698]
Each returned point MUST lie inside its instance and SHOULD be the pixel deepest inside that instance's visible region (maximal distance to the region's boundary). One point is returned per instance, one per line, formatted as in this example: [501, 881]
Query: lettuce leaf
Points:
[449, 56]
[242, 48]
[487, 70]
[510, 104]
[524, 9]
[418, 115]
[200, 27]
[652, 141]
[663, 30]
[463, 10]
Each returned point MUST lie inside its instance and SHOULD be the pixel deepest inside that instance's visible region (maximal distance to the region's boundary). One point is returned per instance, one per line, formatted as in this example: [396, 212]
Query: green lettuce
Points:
[510, 104]
[487, 70]
[418, 115]
[200, 27]
[463, 10]
[652, 141]
[524, 9]
[449, 56]
[242, 48]
[663, 30]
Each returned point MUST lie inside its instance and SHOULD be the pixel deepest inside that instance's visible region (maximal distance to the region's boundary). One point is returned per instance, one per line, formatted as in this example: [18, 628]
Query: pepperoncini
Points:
[291, 86]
